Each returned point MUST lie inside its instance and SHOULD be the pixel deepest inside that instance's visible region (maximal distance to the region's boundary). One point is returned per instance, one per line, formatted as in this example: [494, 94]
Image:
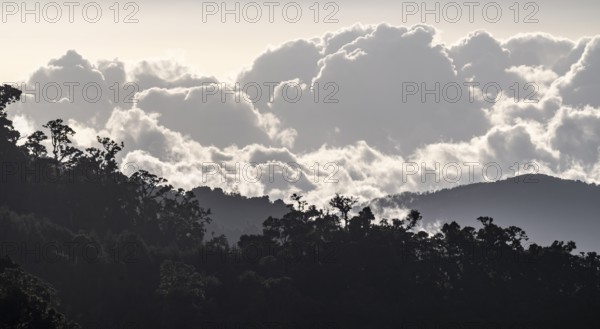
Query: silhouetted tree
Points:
[8, 135]
[105, 159]
[62, 149]
[298, 199]
[344, 205]
[34, 144]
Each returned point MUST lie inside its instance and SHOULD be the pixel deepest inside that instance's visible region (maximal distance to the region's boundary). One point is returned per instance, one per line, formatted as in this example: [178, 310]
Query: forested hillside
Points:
[84, 246]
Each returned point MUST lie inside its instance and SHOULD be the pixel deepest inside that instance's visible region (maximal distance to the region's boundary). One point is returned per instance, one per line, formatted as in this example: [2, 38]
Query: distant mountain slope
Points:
[547, 208]
[234, 215]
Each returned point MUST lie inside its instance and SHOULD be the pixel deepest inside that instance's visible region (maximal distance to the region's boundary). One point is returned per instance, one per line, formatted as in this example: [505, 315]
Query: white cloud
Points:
[362, 144]
[579, 87]
[540, 49]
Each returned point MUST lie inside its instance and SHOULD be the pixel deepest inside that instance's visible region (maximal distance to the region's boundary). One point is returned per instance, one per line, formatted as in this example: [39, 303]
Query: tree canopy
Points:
[84, 245]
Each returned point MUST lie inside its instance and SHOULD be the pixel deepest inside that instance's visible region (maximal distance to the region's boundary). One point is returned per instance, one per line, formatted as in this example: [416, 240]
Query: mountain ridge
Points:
[556, 208]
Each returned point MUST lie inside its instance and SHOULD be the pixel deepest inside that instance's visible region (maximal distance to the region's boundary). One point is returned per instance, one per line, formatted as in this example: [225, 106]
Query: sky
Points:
[368, 98]
[222, 47]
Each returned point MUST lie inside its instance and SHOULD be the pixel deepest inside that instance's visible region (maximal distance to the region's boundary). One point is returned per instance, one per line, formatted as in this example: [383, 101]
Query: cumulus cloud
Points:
[208, 120]
[540, 49]
[359, 95]
[68, 87]
[165, 73]
[333, 41]
[356, 129]
[294, 59]
[576, 133]
[579, 87]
